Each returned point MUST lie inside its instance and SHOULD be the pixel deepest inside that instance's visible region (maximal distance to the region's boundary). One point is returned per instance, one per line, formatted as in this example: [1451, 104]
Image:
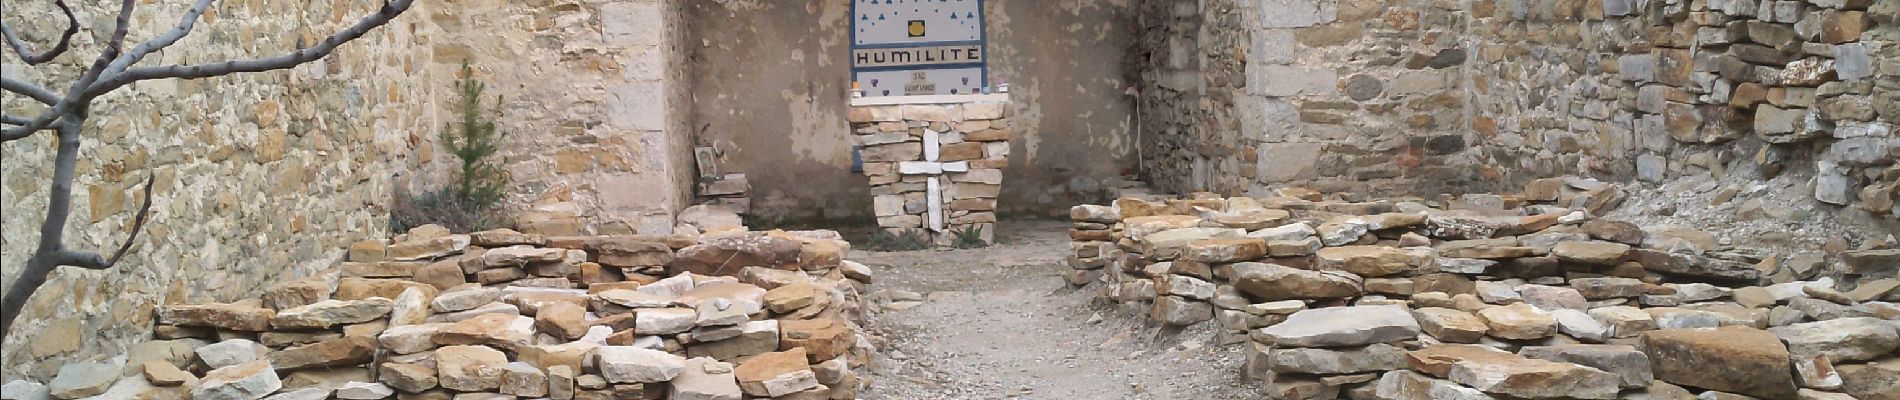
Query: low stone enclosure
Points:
[1496, 296]
[502, 315]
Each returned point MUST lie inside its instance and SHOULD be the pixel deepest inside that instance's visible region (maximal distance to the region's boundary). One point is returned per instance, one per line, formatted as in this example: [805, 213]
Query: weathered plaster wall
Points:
[267, 177]
[770, 83]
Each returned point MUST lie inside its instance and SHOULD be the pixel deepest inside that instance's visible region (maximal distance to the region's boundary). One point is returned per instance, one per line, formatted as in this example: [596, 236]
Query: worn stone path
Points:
[999, 323]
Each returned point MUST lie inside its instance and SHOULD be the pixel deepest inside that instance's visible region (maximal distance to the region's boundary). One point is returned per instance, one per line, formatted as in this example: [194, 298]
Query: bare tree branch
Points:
[37, 92]
[390, 9]
[65, 38]
[138, 224]
[161, 41]
[77, 96]
[67, 114]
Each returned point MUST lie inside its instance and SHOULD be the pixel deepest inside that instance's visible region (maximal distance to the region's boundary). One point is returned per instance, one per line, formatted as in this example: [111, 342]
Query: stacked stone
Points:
[500, 313]
[1091, 230]
[1504, 296]
[971, 148]
[731, 191]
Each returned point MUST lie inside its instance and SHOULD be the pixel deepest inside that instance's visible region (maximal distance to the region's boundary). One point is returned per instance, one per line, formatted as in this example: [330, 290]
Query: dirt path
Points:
[998, 323]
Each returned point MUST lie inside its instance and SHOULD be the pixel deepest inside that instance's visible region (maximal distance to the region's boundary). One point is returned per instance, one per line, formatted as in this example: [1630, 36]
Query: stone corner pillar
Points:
[935, 162]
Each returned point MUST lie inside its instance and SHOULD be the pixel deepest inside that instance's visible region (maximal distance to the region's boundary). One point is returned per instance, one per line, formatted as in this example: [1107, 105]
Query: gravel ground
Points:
[998, 323]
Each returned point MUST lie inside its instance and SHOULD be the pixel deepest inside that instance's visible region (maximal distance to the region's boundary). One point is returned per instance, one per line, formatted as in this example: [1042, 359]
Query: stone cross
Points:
[933, 189]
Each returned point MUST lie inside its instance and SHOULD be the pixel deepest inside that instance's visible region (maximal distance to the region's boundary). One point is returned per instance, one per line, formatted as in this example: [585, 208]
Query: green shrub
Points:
[442, 207]
[481, 180]
[968, 238]
[470, 203]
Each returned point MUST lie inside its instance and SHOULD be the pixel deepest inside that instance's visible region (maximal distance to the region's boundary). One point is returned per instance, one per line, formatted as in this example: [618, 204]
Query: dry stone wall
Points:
[1658, 90]
[1524, 296]
[261, 178]
[972, 148]
[1470, 96]
[502, 313]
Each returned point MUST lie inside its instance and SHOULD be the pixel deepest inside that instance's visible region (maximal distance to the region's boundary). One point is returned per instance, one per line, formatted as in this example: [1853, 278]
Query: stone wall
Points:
[1656, 91]
[1377, 95]
[1340, 95]
[770, 82]
[262, 177]
[972, 142]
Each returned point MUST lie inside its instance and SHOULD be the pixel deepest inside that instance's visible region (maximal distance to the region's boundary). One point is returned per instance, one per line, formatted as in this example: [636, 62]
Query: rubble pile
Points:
[1497, 296]
[502, 314]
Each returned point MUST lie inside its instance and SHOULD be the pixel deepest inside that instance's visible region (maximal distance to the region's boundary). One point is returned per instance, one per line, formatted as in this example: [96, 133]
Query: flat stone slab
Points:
[1343, 326]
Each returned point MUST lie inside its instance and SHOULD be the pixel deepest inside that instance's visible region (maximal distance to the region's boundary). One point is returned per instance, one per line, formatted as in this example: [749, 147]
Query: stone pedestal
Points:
[935, 162]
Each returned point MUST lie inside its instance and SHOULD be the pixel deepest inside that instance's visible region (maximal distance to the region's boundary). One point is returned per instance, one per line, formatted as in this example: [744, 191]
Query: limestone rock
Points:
[345, 351]
[501, 330]
[469, 368]
[83, 379]
[1372, 358]
[1375, 261]
[408, 378]
[1272, 282]
[231, 352]
[1532, 378]
[1842, 340]
[663, 321]
[1179, 311]
[1342, 326]
[409, 339]
[1874, 381]
[409, 308]
[1519, 321]
[237, 317]
[364, 391]
[1629, 364]
[1553, 297]
[724, 255]
[791, 297]
[822, 339]
[329, 313]
[247, 381]
[1408, 385]
[299, 292]
[776, 374]
[163, 373]
[1731, 359]
[1608, 288]
[428, 248]
[1590, 252]
[523, 380]
[563, 320]
[1450, 325]
[1225, 250]
[1692, 265]
[624, 364]
[464, 299]
[1094, 213]
[1581, 325]
[705, 379]
[25, 390]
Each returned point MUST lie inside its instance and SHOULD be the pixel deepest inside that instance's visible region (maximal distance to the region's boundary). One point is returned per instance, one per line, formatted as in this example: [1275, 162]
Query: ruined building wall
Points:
[770, 82]
[263, 178]
[1455, 96]
[1655, 91]
[1243, 95]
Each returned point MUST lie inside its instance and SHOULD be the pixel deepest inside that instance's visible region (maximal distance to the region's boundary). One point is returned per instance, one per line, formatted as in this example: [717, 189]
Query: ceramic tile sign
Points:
[918, 47]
